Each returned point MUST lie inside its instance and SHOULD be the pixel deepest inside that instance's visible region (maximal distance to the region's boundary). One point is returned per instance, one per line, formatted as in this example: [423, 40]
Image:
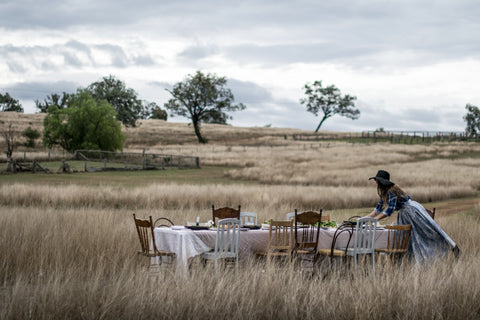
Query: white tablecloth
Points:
[187, 243]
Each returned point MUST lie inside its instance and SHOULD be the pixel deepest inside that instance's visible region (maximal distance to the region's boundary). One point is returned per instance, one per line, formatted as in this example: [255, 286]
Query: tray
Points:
[197, 227]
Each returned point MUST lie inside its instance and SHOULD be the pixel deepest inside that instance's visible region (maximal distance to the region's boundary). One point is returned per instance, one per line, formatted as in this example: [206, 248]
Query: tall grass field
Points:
[68, 245]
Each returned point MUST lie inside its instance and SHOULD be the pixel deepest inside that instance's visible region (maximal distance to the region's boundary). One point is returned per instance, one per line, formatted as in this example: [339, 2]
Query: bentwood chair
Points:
[280, 242]
[431, 212]
[397, 242]
[248, 218]
[147, 242]
[225, 213]
[226, 243]
[163, 222]
[307, 232]
[343, 231]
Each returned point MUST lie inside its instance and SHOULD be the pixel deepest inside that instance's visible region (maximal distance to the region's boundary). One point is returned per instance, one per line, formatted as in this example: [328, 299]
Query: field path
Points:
[456, 206]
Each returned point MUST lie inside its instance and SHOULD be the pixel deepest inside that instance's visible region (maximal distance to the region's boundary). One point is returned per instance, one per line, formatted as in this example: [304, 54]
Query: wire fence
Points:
[396, 137]
[96, 160]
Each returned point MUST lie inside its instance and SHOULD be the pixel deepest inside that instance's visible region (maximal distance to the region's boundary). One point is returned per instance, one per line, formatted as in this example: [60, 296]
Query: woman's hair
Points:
[383, 192]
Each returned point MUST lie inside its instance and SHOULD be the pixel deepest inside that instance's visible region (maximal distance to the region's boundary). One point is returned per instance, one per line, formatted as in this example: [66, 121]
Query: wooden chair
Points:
[307, 232]
[226, 243]
[248, 218]
[280, 242]
[225, 213]
[326, 218]
[147, 242]
[162, 222]
[291, 215]
[431, 212]
[397, 242]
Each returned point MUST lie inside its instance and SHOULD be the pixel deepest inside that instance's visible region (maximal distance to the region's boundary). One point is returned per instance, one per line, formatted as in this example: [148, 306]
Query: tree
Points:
[54, 99]
[10, 135]
[156, 112]
[202, 99]
[129, 108]
[30, 136]
[473, 120]
[329, 101]
[85, 124]
[7, 103]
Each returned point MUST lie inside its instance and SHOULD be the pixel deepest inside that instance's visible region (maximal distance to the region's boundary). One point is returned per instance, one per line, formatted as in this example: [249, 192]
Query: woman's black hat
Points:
[383, 177]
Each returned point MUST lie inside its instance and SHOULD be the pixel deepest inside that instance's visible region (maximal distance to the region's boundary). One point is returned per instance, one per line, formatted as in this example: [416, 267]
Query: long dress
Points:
[427, 240]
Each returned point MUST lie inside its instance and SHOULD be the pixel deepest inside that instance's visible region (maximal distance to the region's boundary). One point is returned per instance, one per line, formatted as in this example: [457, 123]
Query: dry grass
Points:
[68, 251]
[80, 264]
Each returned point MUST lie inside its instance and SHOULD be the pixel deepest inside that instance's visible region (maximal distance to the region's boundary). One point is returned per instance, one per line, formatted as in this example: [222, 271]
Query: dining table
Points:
[187, 243]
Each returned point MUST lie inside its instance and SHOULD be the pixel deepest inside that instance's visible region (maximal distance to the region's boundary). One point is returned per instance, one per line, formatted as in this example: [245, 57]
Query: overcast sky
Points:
[412, 64]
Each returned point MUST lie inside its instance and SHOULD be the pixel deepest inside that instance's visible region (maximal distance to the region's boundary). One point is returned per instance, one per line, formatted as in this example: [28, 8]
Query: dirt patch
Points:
[456, 206]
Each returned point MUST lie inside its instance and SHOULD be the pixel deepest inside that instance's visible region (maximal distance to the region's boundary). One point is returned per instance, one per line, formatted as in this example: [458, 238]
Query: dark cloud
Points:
[249, 92]
[40, 90]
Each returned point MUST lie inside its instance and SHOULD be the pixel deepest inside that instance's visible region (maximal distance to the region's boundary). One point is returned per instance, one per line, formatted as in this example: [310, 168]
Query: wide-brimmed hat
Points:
[383, 177]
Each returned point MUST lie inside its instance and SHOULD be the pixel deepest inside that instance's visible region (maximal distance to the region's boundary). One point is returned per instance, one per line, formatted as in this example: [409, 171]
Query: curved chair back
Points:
[162, 222]
[225, 213]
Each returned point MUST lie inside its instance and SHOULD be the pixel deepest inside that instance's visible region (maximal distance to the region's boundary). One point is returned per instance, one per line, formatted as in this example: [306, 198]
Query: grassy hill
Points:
[156, 133]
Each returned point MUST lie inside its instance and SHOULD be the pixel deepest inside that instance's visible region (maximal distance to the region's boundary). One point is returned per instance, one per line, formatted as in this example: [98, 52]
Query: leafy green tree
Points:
[30, 135]
[129, 108]
[202, 99]
[7, 103]
[85, 124]
[473, 120]
[54, 99]
[330, 101]
[156, 112]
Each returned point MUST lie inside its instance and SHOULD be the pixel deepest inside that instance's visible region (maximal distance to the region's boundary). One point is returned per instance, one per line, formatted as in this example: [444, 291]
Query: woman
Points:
[427, 239]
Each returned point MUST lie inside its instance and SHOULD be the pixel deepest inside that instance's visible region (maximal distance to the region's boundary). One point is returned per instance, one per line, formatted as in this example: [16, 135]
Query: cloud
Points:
[70, 54]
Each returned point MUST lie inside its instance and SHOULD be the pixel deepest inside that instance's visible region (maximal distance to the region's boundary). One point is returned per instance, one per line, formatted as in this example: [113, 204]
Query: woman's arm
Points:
[376, 215]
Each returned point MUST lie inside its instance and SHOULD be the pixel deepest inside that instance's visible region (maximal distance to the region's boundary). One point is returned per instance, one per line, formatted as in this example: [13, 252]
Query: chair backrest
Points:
[248, 218]
[307, 229]
[364, 241]
[228, 235]
[145, 234]
[280, 236]
[326, 218]
[398, 237]
[162, 222]
[431, 212]
[225, 213]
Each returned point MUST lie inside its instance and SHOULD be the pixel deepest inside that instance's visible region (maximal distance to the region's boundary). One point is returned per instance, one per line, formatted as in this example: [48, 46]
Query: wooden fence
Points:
[96, 160]
[403, 137]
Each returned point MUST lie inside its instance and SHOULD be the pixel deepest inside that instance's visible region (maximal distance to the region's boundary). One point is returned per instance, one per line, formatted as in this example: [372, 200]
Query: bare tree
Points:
[9, 134]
